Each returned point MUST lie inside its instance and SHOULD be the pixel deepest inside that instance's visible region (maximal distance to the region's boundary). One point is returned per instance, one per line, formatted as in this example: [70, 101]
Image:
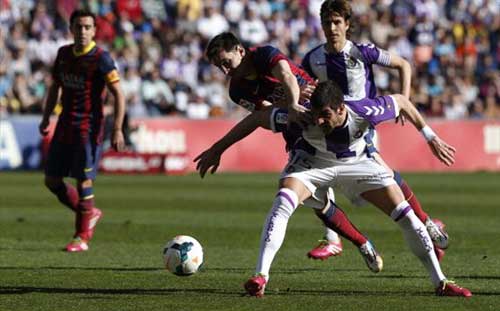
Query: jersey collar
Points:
[345, 49]
[85, 50]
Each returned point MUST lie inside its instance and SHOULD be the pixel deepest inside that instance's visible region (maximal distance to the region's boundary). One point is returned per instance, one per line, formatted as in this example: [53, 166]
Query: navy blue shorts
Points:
[79, 161]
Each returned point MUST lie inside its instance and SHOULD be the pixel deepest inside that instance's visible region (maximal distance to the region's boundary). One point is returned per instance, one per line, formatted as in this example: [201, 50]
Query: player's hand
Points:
[444, 152]
[307, 90]
[401, 119]
[42, 128]
[209, 158]
[117, 140]
[300, 115]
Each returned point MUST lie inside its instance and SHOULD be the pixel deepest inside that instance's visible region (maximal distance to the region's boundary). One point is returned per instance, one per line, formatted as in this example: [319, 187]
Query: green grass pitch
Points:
[123, 270]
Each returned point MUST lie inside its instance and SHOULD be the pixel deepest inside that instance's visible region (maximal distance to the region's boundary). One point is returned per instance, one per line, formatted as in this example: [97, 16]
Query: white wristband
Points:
[428, 133]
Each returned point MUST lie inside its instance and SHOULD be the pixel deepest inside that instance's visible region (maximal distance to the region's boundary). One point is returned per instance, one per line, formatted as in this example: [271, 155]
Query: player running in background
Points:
[81, 71]
[349, 64]
[261, 79]
[340, 160]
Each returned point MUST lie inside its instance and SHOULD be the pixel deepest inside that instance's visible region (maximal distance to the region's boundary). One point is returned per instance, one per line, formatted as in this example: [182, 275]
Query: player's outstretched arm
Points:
[210, 158]
[441, 150]
[117, 140]
[50, 103]
[284, 74]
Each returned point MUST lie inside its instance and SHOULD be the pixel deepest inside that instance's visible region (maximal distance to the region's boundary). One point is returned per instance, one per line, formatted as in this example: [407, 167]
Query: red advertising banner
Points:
[262, 151]
[477, 144]
[403, 148]
[169, 145]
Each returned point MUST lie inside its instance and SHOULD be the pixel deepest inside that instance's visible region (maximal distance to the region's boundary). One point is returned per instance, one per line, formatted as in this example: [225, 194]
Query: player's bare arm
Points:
[284, 74]
[50, 103]
[404, 70]
[443, 151]
[117, 140]
[210, 158]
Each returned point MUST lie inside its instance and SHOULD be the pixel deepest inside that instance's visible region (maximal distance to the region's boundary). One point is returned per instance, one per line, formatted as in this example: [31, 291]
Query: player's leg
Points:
[334, 217]
[65, 193]
[56, 168]
[391, 201]
[84, 169]
[331, 244]
[435, 229]
[291, 192]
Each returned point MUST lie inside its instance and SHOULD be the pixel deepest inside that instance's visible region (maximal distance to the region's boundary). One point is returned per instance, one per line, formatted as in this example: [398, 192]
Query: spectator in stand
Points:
[157, 95]
[446, 39]
[132, 86]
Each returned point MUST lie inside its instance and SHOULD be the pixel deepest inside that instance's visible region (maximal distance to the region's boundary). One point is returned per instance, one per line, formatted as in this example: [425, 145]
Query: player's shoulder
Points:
[65, 49]
[314, 51]
[363, 46]
[265, 51]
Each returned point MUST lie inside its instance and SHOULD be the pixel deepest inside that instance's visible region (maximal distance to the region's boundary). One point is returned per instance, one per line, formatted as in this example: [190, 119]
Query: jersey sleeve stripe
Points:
[384, 58]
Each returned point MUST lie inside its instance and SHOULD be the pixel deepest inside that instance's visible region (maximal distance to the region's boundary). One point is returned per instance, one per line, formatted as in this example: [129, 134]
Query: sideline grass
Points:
[123, 269]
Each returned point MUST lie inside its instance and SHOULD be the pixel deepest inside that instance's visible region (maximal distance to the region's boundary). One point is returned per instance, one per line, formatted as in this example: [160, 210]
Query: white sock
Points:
[418, 240]
[274, 230]
[331, 236]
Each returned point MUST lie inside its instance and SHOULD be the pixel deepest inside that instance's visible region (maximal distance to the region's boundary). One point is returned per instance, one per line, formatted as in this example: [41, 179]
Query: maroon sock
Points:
[337, 220]
[82, 218]
[67, 195]
[413, 201]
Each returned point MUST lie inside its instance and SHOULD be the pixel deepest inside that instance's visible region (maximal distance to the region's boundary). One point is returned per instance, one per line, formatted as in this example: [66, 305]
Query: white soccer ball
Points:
[183, 255]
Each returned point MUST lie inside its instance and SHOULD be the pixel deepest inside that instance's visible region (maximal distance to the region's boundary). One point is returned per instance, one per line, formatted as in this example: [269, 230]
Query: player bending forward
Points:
[339, 160]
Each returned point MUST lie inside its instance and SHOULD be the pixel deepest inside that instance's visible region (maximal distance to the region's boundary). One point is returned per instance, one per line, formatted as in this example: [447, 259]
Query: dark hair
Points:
[327, 93]
[339, 7]
[224, 40]
[81, 13]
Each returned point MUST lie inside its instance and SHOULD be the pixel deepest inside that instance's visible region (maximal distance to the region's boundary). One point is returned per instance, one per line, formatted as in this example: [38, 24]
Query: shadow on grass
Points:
[19, 290]
[458, 277]
[204, 269]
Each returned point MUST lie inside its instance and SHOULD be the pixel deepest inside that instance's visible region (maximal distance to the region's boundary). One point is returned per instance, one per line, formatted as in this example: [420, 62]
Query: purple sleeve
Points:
[374, 55]
[374, 110]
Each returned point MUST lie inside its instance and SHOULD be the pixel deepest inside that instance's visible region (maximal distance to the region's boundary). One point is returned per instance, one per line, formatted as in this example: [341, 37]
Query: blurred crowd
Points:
[453, 46]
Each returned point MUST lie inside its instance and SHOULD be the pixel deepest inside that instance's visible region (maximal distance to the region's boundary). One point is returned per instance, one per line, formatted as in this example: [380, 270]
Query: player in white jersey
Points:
[340, 160]
[349, 64]
[257, 84]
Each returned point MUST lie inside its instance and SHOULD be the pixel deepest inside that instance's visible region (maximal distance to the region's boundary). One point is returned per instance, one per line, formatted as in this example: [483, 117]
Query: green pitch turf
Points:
[123, 270]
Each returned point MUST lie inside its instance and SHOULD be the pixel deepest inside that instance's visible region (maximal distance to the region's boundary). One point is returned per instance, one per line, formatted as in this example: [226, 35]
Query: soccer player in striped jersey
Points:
[80, 73]
[349, 64]
[262, 79]
[340, 160]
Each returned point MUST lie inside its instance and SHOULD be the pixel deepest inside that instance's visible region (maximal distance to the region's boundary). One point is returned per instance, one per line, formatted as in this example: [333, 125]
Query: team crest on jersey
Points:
[358, 134]
[351, 62]
[247, 105]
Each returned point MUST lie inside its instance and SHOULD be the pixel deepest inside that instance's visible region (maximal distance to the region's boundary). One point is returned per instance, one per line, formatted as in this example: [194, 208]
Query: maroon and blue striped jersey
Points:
[82, 77]
[251, 92]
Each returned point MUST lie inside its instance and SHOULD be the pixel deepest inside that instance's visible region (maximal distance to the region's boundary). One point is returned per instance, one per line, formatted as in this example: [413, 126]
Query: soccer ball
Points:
[183, 255]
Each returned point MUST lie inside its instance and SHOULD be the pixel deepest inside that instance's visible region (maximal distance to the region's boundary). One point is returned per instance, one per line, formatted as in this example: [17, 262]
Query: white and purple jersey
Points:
[351, 69]
[347, 144]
